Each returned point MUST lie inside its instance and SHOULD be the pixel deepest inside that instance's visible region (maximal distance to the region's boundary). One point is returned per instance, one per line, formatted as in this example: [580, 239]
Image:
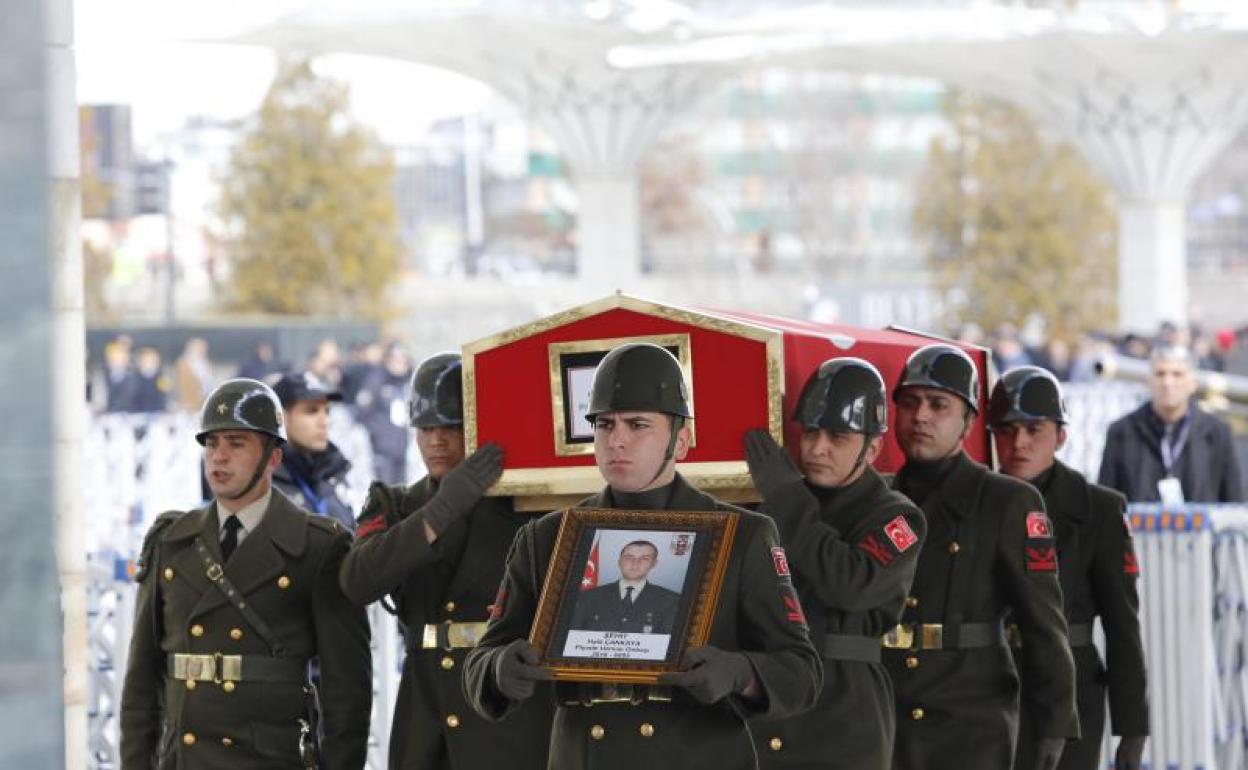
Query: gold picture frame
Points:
[589, 633]
[579, 357]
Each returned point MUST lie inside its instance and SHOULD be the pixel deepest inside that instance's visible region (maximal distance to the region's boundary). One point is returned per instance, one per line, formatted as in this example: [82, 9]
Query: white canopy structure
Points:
[552, 63]
[1148, 93]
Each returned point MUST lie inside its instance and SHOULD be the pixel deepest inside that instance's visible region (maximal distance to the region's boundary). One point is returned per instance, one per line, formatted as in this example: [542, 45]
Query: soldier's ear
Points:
[875, 445]
[275, 458]
[684, 437]
[1061, 436]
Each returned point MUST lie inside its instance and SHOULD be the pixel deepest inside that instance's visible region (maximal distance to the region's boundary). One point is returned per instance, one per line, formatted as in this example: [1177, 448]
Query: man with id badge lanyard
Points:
[1169, 450]
[313, 473]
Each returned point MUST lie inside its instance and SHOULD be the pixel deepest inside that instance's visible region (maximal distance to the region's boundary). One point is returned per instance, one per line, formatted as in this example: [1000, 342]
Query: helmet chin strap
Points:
[266, 451]
[677, 424]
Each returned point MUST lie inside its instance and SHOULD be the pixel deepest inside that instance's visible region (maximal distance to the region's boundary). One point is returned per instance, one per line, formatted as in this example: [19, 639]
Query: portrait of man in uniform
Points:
[635, 603]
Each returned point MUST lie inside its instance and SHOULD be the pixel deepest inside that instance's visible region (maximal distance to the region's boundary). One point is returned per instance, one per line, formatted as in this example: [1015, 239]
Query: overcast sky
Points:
[142, 53]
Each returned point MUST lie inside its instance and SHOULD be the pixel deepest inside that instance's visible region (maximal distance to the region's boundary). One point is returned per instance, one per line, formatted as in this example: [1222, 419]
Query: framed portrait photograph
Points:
[628, 592]
[572, 366]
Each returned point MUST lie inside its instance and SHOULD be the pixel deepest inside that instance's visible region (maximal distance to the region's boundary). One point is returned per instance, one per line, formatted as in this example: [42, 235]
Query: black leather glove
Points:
[463, 486]
[712, 674]
[770, 466]
[1130, 754]
[516, 672]
[1049, 753]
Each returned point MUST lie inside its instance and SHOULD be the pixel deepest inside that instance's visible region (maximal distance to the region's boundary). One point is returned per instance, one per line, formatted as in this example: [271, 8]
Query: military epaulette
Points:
[149, 542]
[327, 524]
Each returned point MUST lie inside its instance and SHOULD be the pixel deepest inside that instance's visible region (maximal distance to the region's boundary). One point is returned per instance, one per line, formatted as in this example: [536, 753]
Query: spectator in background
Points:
[313, 473]
[1088, 352]
[119, 378]
[326, 362]
[363, 359]
[151, 393]
[1134, 346]
[1007, 351]
[1169, 450]
[261, 363]
[1056, 358]
[382, 409]
[193, 374]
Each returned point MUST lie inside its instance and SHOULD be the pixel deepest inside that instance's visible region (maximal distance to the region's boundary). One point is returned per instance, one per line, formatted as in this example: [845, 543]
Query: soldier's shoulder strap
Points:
[216, 573]
[325, 524]
[149, 542]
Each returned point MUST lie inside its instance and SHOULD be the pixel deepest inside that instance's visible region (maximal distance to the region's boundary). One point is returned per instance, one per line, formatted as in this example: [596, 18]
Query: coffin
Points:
[527, 389]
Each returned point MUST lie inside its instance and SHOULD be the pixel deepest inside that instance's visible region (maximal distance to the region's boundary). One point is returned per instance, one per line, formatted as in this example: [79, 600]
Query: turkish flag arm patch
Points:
[1130, 565]
[1041, 558]
[900, 535]
[780, 561]
[1038, 525]
[496, 609]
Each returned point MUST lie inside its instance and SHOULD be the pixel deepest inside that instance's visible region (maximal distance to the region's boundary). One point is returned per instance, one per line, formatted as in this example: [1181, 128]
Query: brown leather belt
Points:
[594, 693]
[864, 649]
[931, 636]
[219, 668]
[451, 636]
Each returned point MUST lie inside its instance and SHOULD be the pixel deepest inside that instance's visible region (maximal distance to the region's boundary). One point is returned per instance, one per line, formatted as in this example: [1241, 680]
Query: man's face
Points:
[1027, 449]
[631, 449]
[441, 447]
[828, 458]
[1171, 383]
[230, 458]
[636, 561]
[307, 425]
[930, 423]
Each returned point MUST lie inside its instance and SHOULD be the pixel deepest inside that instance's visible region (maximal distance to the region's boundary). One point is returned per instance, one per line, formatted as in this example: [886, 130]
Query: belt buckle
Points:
[216, 667]
[933, 636]
[229, 667]
[429, 639]
[615, 693]
[461, 635]
[899, 637]
[194, 668]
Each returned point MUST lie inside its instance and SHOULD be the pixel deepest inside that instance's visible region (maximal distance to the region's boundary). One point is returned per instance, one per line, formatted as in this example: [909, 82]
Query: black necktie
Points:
[628, 597]
[230, 541]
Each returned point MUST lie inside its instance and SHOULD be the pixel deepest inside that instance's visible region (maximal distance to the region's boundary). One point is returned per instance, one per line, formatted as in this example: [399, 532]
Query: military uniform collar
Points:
[1066, 494]
[283, 523]
[684, 497]
[958, 492]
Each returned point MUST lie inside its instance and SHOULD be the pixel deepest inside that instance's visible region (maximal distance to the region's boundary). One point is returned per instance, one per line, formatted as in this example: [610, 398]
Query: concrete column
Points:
[32, 726]
[68, 367]
[1152, 264]
[608, 232]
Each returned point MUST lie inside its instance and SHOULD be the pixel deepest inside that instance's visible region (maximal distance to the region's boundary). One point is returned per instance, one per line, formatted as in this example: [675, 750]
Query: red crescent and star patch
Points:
[1038, 525]
[899, 532]
[1130, 566]
[780, 561]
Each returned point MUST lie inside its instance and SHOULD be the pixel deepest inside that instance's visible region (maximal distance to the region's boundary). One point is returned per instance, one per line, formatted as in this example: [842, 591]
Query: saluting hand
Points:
[713, 674]
[770, 466]
[1130, 754]
[1049, 753]
[463, 486]
[516, 672]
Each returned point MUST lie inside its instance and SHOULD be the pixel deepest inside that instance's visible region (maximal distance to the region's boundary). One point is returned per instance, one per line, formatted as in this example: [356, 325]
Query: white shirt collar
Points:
[638, 586]
[249, 516]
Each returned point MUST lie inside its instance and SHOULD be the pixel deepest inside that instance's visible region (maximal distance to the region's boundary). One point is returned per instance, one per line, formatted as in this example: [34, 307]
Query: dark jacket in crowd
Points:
[287, 573]
[1098, 573]
[150, 394]
[1207, 467]
[452, 580]
[989, 551]
[316, 482]
[758, 614]
[852, 552]
[381, 407]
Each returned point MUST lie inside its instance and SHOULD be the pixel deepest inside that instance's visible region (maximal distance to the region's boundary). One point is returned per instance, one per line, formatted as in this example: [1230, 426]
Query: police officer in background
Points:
[759, 660]
[852, 544]
[1098, 569]
[313, 472]
[437, 549]
[235, 599]
[989, 552]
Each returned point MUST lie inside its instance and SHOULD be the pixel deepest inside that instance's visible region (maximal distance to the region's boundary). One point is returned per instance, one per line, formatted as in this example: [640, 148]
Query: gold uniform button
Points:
[283, 582]
[236, 634]
[646, 729]
[775, 744]
[227, 686]
[448, 663]
[190, 684]
[197, 630]
[168, 573]
[916, 714]
[912, 662]
[452, 721]
[912, 601]
[188, 739]
[227, 742]
[597, 732]
[450, 607]
[954, 547]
